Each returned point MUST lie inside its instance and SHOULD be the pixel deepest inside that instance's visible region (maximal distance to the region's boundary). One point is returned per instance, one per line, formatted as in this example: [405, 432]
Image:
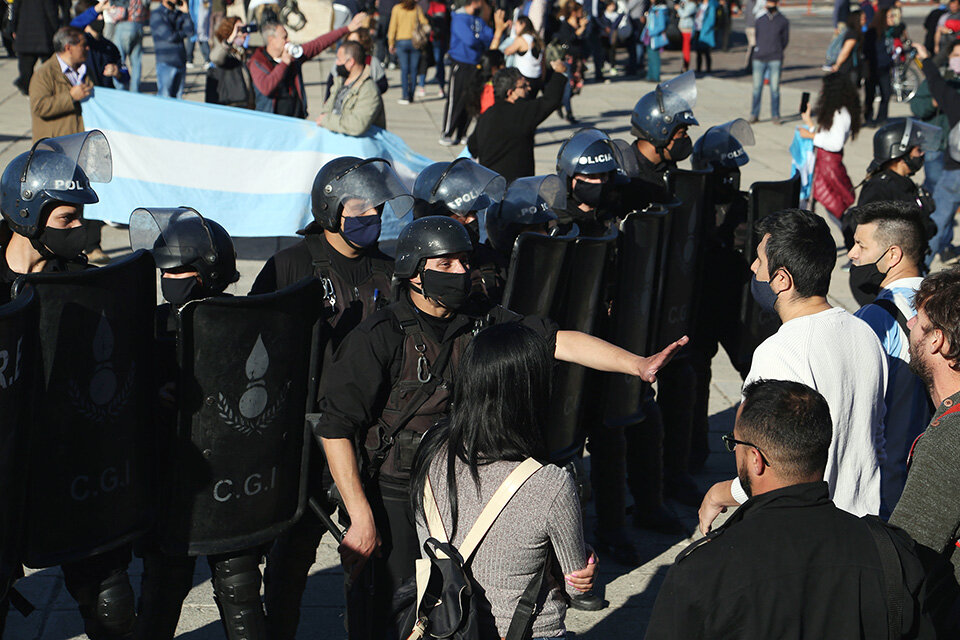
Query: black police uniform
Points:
[355, 288]
[167, 579]
[53, 265]
[887, 185]
[374, 384]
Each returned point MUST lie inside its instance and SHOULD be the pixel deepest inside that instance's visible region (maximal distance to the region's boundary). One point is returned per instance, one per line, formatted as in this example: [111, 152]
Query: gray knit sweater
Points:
[545, 511]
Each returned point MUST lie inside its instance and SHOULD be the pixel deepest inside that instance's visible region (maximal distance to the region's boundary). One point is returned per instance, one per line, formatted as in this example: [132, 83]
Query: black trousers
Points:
[456, 118]
[25, 64]
[877, 81]
[101, 587]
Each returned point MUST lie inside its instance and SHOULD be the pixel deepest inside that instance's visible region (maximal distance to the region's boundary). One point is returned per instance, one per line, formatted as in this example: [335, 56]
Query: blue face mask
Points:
[763, 294]
[362, 231]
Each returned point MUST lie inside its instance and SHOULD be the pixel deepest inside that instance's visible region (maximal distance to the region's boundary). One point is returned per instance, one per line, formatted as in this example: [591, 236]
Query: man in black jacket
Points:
[789, 562]
[503, 137]
[34, 23]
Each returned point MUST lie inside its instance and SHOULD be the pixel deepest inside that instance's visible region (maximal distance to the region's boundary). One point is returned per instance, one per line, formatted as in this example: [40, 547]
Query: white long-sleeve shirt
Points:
[832, 139]
[840, 356]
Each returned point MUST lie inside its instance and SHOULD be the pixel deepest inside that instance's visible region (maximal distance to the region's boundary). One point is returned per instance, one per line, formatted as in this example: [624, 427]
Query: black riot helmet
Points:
[429, 237]
[355, 185]
[527, 202]
[657, 115]
[721, 147]
[55, 170]
[897, 138]
[589, 151]
[180, 238]
[460, 187]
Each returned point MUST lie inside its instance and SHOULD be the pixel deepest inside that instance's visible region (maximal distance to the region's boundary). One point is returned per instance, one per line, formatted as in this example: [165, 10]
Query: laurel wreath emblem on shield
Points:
[248, 426]
[100, 413]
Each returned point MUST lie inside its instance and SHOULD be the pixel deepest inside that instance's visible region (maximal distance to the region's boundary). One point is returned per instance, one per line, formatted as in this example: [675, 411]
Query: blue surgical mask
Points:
[361, 231]
[763, 294]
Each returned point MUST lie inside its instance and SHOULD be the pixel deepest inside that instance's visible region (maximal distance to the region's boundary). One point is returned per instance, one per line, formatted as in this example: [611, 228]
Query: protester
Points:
[820, 346]
[569, 38]
[200, 14]
[838, 118]
[927, 509]
[705, 36]
[104, 64]
[724, 24]
[924, 107]
[228, 81]
[527, 49]
[686, 12]
[354, 103]
[34, 24]
[377, 72]
[886, 30]
[503, 139]
[789, 563]
[277, 75]
[480, 96]
[170, 26]
[128, 36]
[439, 16]
[750, 12]
[850, 59]
[771, 34]
[497, 420]
[59, 86]
[656, 30]
[405, 18]
[930, 25]
[887, 270]
[948, 26]
[947, 192]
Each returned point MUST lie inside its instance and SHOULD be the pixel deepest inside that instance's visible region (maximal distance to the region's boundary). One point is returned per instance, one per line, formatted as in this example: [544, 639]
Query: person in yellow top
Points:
[404, 19]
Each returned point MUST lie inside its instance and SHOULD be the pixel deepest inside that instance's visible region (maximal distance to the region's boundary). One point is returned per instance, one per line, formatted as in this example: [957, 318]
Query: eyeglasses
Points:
[731, 443]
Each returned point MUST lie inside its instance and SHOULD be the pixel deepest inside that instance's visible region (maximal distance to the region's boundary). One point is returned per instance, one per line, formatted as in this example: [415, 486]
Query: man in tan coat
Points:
[354, 102]
[59, 85]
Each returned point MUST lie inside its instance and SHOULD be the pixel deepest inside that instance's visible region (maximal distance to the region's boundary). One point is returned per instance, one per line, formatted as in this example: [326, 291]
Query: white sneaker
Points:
[403, 101]
[190, 65]
[446, 142]
[421, 92]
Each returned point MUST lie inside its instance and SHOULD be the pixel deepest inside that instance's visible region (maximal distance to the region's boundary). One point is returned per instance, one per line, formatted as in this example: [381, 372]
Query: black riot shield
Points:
[236, 474]
[575, 307]
[18, 322]
[92, 437]
[641, 252]
[535, 269]
[757, 325]
[680, 278]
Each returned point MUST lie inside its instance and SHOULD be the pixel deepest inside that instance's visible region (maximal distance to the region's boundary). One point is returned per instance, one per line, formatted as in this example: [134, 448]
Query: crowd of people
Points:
[437, 436]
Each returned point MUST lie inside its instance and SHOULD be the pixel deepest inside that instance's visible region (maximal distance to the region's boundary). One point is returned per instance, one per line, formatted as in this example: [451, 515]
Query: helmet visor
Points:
[367, 186]
[920, 134]
[724, 143]
[466, 186]
[533, 200]
[175, 237]
[65, 166]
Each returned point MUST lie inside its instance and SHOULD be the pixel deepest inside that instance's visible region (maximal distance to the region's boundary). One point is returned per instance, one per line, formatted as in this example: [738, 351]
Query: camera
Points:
[250, 28]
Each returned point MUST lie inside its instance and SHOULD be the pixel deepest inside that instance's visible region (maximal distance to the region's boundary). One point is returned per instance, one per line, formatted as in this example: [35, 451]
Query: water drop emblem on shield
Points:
[103, 397]
[252, 414]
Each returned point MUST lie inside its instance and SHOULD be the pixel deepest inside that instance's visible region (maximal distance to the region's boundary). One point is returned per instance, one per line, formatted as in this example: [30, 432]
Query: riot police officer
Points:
[587, 164]
[42, 195]
[721, 150]
[389, 383]
[466, 191]
[528, 206]
[348, 199]
[197, 260]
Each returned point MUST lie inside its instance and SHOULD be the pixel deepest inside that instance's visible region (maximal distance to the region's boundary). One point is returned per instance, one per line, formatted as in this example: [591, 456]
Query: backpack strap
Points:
[520, 624]
[891, 307]
[432, 512]
[321, 267]
[892, 574]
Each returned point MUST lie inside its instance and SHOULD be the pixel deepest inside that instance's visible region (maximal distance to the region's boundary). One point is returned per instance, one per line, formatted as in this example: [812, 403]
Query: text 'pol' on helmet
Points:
[721, 147]
[527, 202]
[658, 114]
[55, 170]
[589, 151]
[898, 136]
[181, 238]
[353, 185]
[429, 237]
[460, 187]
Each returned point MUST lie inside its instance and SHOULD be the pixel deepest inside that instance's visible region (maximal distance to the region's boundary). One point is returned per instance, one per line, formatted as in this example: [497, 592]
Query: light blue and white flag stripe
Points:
[250, 171]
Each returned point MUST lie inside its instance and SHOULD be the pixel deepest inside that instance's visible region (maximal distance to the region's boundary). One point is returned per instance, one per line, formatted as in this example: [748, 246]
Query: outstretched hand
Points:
[652, 364]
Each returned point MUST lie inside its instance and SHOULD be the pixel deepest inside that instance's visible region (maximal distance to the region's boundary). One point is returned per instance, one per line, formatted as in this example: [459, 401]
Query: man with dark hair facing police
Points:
[789, 563]
[388, 383]
[339, 248]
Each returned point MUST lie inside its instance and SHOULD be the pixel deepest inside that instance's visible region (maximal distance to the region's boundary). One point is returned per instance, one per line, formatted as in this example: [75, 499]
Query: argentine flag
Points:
[250, 171]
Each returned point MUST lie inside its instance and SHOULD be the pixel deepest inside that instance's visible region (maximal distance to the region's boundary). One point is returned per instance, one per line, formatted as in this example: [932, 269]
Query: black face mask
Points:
[66, 244]
[680, 149]
[865, 281]
[914, 163]
[449, 289]
[342, 71]
[771, 10]
[180, 291]
[589, 193]
[473, 230]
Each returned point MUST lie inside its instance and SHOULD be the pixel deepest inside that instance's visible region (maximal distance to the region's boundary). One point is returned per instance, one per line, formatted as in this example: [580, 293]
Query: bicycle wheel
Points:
[906, 80]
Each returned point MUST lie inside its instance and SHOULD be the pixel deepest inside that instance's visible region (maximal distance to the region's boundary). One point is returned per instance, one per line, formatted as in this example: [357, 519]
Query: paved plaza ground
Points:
[722, 97]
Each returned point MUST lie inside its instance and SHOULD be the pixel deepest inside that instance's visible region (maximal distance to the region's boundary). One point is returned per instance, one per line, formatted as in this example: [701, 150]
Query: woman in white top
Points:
[527, 49]
[838, 118]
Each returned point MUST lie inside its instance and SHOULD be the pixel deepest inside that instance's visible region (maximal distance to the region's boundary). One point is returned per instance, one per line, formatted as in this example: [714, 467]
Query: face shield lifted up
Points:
[530, 204]
[461, 187]
[658, 114]
[721, 147]
[369, 184]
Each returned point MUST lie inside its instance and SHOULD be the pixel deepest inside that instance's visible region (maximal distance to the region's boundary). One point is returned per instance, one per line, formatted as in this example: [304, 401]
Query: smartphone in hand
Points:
[804, 101]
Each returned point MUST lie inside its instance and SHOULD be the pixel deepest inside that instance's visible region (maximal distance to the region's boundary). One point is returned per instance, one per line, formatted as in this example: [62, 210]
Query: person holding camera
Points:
[171, 25]
[276, 67]
[228, 81]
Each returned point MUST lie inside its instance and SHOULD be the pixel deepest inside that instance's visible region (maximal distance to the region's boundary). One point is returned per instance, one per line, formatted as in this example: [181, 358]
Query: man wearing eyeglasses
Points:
[823, 347]
[789, 563]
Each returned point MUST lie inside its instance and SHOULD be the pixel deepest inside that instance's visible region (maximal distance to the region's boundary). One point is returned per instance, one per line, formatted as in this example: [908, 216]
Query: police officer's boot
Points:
[285, 575]
[101, 587]
[165, 584]
[236, 590]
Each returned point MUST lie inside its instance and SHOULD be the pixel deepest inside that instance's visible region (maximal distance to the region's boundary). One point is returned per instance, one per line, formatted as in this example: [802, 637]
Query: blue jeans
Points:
[128, 36]
[932, 169]
[409, 59]
[761, 68]
[653, 64]
[947, 197]
[170, 80]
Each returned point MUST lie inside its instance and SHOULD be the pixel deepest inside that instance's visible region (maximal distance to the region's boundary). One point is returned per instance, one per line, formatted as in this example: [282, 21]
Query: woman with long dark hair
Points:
[500, 399]
[850, 59]
[838, 118]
